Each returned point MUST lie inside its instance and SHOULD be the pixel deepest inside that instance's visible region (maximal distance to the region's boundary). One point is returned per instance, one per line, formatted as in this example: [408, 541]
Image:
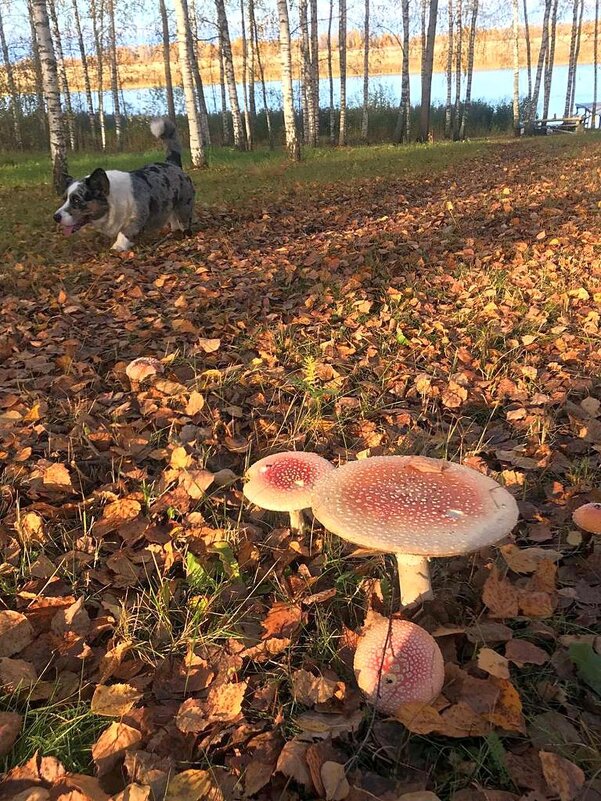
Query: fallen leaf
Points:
[224, 701]
[334, 781]
[492, 662]
[526, 560]
[180, 458]
[419, 718]
[112, 744]
[195, 403]
[142, 368]
[282, 620]
[190, 785]
[309, 689]
[208, 345]
[10, 728]
[522, 652]
[500, 596]
[30, 527]
[564, 778]
[292, 763]
[16, 632]
[114, 700]
[507, 713]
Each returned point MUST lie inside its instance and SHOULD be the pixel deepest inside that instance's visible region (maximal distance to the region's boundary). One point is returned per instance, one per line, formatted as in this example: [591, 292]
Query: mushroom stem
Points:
[414, 579]
[297, 521]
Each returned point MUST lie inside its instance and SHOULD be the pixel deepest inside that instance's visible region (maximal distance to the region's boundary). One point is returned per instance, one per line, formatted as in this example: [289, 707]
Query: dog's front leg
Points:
[122, 243]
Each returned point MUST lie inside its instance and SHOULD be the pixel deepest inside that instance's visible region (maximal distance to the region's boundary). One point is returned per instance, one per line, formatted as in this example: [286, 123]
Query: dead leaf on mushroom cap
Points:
[142, 368]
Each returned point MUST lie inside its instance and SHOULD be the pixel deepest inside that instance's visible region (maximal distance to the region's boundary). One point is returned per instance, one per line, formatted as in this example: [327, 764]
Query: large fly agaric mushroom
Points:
[283, 482]
[416, 508]
[588, 517]
[397, 662]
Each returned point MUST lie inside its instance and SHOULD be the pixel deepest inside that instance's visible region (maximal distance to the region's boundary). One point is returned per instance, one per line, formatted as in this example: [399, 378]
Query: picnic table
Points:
[591, 113]
[555, 124]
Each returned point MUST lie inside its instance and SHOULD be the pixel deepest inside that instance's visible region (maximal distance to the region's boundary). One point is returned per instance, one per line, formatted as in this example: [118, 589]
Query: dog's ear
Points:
[98, 182]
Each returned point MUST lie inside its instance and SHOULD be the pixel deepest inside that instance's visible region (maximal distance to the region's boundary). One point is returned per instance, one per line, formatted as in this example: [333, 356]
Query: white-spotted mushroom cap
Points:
[414, 505]
[283, 482]
[397, 662]
[588, 517]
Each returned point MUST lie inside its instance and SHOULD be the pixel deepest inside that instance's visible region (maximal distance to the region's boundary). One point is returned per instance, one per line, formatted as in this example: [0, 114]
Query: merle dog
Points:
[124, 204]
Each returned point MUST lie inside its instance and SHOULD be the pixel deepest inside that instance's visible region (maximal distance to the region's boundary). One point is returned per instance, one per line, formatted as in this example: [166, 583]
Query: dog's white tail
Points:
[164, 129]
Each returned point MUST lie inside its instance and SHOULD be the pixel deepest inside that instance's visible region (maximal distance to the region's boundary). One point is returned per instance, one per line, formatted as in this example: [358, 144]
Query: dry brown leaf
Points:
[196, 482]
[322, 725]
[419, 795]
[190, 785]
[334, 781]
[122, 510]
[522, 652]
[224, 701]
[536, 604]
[16, 632]
[114, 700]
[180, 458]
[195, 403]
[10, 728]
[142, 368]
[309, 689]
[16, 675]
[57, 477]
[500, 596]
[30, 527]
[292, 763]
[32, 794]
[208, 345]
[507, 713]
[526, 560]
[492, 662]
[462, 720]
[112, 659]
[419, 718]
[192, 716]
[564, 778]
[133, 792]
[282, 620]
[112, 744]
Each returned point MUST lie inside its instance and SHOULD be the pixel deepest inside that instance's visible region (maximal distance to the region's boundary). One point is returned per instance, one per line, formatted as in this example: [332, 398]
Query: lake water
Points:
[493, 86]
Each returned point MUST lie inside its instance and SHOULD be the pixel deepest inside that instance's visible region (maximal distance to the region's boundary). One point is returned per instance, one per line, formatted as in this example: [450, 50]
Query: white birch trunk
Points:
[115, 75]
[533, 110]
[448, 115]
[253, 22]
[550, 60]
[167, 60]
[37, 71]
[365, 113]
[331, 77]
[528, 50]
[247, 120]
[58, 148]
[292, 142]
[471, 46]
[315, 71]
[225, 114]
[197, 150]
[427, 69]
[97, 15]
[342, 59]
[306, 73]
[62, 72]
[516, 66]
[228, 64]
[86, 71]
[458, 66]
[15, 100]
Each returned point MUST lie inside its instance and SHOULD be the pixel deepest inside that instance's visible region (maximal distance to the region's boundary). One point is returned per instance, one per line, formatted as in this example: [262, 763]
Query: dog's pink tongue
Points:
[68, 229]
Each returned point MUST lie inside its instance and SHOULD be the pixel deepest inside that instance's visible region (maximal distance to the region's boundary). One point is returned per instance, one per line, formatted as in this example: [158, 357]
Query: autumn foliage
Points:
[455, 315]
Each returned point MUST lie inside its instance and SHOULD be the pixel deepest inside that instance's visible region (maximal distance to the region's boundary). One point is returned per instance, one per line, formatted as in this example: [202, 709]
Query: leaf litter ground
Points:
[161, 639]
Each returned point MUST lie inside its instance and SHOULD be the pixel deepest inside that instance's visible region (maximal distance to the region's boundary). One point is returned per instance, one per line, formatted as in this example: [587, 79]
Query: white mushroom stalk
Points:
[416, 508]
[283, 483]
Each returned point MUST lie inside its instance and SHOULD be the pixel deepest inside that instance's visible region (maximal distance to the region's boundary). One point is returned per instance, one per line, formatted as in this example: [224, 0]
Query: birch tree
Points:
[306, 77]
[402, 129]
[58, 147]
[247, 120]
[37, 70]
[533, 104]
[228, 65]
[62, 72]
[595, 63]
[332, 114]
[253, 22]
[15, 100]
[166, 39]
[198, 83]
[184, 37]
[97, 15]
[342, 60]
[315, 70]
[427, 69]
[292, 142]
[458, 65]
[251, 64]
[225, 114]
[114, 72]
[550, 59]
[471, 46]
[516, 66]
[365, 113]
[85, 69]
[448, 115]
[528, 50]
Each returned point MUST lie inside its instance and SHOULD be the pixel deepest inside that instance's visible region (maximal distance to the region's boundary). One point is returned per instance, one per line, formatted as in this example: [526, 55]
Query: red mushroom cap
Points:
[283, 482]
[397, 662]
[413, 504]
[588, 517]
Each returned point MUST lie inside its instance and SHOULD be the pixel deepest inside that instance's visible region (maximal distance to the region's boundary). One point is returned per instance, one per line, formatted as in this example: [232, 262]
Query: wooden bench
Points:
[555, 125]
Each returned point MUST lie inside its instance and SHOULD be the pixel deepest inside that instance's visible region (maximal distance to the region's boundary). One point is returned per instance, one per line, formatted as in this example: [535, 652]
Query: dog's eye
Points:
[76, 202]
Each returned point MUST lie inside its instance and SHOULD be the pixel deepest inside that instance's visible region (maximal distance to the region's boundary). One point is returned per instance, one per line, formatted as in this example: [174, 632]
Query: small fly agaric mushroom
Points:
[283, 482]
[588, 517]
[397, 662]
[416, 508]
